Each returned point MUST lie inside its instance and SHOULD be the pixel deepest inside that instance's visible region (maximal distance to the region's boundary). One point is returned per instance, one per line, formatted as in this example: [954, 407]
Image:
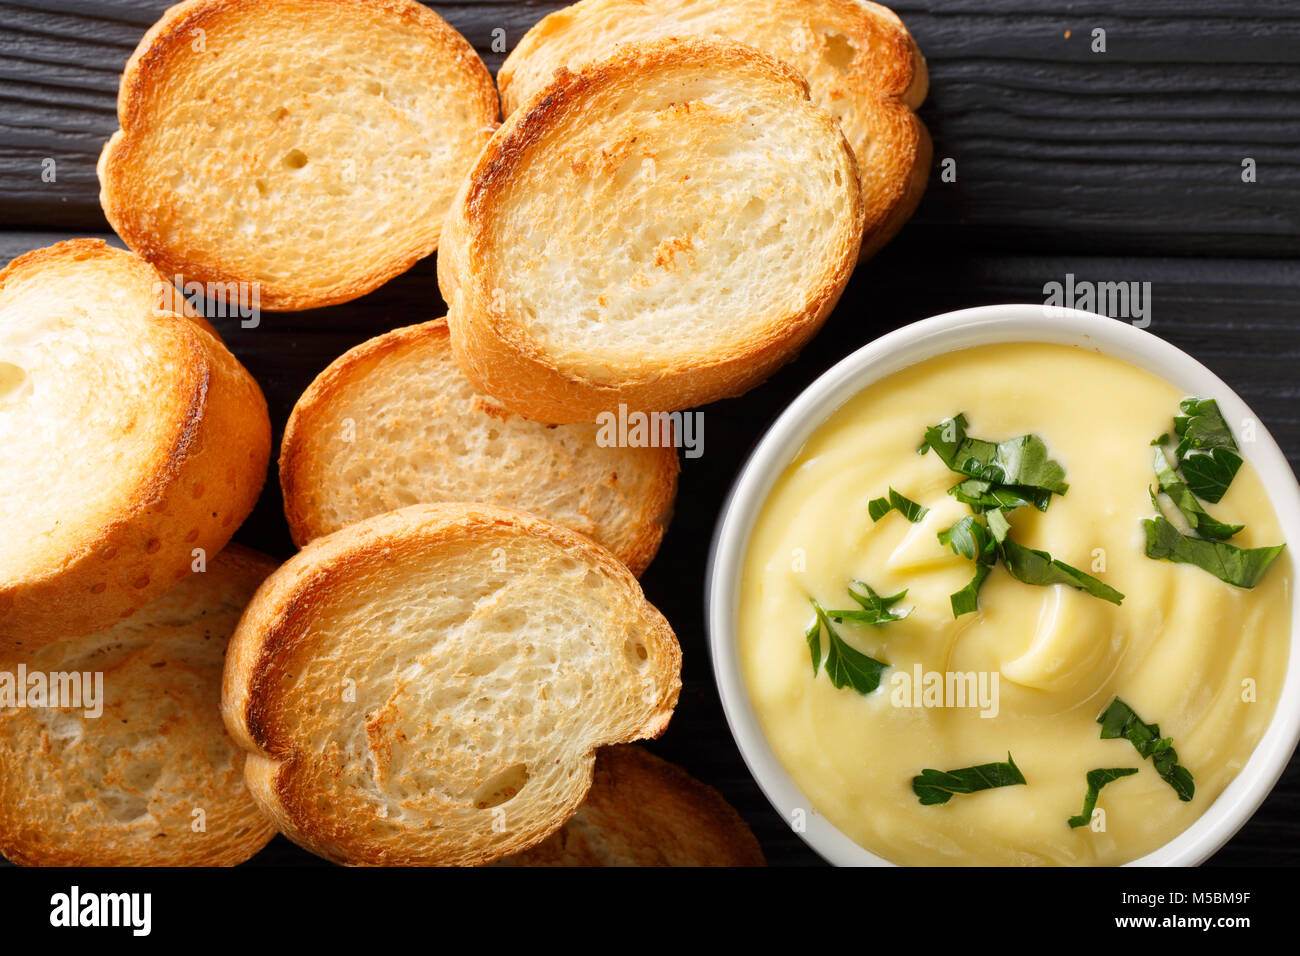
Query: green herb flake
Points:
[1040, 568]
[999, 527]
[1119, 720]
[877, 508]
[1240, 567]
[969, 538]
[984, 496]
[1096, 780]
[1207, 454]
[938, 786]
[1201, 427]
[1185, 501]
[844, 665]
[967, 600]
[813, 635]
[1210, 473]
[1021, 461]
[985, 543]
[872, 607]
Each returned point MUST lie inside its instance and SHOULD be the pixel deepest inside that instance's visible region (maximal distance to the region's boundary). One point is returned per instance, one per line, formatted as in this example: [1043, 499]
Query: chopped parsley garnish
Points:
[1040, 568]
[1096, 780]
[1119, 720]
[938, 786]
[1002, 476]
[873, 608]
[1240, 567]
[1206, 461]
[985, 496]
[970, 538]
[985, 544]
[1020, 464]
[1206, 453]
[967, 600]
[877, 508]
[1180, 493]
[845, 665]
[1210, 473]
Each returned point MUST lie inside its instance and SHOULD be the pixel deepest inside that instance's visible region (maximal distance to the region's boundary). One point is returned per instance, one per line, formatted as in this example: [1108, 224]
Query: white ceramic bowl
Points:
[916, 343]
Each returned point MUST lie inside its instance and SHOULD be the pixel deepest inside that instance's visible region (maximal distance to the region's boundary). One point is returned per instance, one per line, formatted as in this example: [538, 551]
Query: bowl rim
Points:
[904, 347]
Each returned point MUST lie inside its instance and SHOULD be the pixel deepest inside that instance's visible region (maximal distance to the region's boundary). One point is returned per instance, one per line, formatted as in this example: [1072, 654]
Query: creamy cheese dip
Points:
[1201, 658]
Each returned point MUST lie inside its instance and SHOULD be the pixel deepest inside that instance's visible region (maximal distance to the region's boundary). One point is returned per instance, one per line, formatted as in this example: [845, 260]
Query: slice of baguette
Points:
[861, 63]
[132, 440]
[393, 422]
[430, 686]
[644, 811]
[660, 229]
[153, 780]
[309, 146]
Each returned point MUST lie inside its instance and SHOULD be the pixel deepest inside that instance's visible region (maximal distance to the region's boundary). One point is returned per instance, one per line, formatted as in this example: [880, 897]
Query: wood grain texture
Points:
[1116, 166]
[1135, 150]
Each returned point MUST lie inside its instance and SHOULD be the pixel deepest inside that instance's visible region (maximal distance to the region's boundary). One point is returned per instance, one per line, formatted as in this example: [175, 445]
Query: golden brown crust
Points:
[277, 617]
[301, 474]
[885, 57]
[875, 90]
[158, 743]
[164, 53]
[277, 632]
[905, 193]
[500, 358]
[644, 811]
[196, 492]
[900, 132]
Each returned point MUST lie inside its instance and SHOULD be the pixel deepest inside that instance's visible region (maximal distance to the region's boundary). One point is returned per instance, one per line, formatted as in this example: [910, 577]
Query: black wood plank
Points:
[1135, 150]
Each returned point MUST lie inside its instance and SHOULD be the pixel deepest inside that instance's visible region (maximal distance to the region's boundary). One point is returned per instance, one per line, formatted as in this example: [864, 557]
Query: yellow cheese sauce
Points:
[1201, 658]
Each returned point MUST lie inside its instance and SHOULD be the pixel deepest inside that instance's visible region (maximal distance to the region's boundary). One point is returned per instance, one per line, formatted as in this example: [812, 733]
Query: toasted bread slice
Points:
[393, 422]
[132, 438]
[860, 61]
[430, 686]
[152, 779]
[311, 147]
[660, 229]
[644, 811]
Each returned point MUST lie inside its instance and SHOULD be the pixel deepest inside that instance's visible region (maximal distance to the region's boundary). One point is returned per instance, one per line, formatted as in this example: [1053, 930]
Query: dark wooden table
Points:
[1117, 166]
